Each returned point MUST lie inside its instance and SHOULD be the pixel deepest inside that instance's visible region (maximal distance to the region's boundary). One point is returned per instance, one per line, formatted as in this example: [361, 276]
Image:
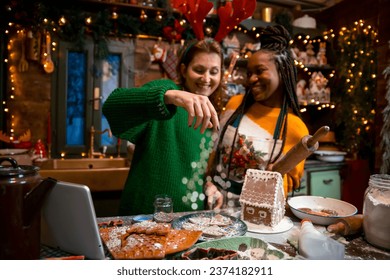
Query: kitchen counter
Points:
[356, 248]
[314, 164]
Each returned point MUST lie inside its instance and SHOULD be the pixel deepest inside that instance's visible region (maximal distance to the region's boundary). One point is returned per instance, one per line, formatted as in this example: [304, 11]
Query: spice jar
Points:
[376, 211]
[163, 209]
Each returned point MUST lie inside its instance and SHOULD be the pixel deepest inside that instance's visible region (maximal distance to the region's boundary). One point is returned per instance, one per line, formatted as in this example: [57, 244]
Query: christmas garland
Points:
[355, 89]
[72, 22]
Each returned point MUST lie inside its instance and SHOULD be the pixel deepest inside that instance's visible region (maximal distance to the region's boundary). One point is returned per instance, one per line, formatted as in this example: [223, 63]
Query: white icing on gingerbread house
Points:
[262, 198]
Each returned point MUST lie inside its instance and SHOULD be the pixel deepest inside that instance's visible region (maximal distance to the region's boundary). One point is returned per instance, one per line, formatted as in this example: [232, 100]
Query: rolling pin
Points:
[304, 148]
[347, 226]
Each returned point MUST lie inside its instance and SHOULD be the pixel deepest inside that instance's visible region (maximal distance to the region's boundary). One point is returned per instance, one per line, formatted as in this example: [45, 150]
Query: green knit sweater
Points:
[169, 157]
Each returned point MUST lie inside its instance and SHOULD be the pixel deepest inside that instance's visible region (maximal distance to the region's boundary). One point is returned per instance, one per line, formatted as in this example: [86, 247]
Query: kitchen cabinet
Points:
[325, 183]
[321, 179]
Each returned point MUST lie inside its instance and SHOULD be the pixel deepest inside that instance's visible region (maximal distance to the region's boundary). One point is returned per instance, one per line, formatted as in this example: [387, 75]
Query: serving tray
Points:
[246, 246]
[236, 228]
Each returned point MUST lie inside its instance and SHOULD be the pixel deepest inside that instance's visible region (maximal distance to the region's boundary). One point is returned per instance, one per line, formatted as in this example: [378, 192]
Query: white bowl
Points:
[318, 203]
[330, 156]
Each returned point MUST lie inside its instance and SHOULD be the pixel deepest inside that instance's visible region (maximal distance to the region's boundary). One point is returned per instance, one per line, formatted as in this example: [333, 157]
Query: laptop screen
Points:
[69, 221]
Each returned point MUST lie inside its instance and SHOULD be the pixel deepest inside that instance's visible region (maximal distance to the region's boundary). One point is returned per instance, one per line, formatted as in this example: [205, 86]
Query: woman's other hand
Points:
[213, 195]
[199, 108]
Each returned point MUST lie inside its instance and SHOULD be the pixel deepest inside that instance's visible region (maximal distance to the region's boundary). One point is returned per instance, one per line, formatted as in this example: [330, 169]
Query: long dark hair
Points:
[276, 41]
[187, 54]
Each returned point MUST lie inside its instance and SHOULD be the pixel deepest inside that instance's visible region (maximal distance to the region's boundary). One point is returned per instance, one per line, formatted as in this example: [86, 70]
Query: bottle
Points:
[314, 245]
[376, 211]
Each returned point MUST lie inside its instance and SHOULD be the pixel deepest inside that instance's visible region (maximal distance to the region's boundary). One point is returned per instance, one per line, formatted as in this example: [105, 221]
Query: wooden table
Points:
[356, 248]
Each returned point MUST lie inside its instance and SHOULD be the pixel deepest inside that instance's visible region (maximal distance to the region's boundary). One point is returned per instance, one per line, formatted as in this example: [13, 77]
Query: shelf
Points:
[250, 23]
[319, 67]
[312, 32]
[257, 23]
[122, 6]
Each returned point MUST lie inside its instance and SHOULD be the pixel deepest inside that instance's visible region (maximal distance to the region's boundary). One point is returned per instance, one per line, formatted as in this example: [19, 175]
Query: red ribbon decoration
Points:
[232, 14]
[173, 33]
[195, 12]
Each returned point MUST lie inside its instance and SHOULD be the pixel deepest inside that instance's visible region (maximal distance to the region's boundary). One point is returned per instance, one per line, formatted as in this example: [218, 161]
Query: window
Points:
[82, 85]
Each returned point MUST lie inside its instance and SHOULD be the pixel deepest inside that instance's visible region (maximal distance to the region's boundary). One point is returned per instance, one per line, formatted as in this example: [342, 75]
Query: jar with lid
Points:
[376, 211]
[163, 208]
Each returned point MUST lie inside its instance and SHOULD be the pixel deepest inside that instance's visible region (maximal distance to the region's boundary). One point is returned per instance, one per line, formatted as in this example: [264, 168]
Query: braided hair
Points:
[276, 41]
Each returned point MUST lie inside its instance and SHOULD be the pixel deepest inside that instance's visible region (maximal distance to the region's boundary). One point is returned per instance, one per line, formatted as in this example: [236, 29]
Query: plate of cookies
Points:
[212, 225]
[146, 240]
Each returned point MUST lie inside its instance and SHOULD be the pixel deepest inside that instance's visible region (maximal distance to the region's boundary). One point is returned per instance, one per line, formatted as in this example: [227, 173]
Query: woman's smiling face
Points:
[264, 80]
[203, 74]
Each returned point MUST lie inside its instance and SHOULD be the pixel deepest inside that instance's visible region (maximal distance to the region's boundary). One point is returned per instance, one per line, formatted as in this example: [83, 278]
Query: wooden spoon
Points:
[48, 66]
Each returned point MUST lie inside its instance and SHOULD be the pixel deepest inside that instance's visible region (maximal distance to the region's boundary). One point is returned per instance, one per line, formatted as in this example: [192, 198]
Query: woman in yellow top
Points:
[260, 126]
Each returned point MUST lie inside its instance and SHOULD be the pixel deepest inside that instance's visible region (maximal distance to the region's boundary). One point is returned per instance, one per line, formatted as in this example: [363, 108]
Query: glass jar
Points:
[163, 209]
[376, 211]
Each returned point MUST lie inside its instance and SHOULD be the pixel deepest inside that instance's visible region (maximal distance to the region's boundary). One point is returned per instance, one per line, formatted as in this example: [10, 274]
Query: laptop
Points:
[69, 221]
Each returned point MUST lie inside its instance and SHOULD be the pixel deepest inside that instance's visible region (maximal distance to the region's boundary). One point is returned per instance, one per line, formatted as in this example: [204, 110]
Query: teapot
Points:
[22, 193]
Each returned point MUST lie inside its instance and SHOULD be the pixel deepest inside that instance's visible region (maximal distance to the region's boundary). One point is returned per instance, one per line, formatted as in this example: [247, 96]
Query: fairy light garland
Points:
[12, 77]
[16, 36]
[350, 74]
[357, 86]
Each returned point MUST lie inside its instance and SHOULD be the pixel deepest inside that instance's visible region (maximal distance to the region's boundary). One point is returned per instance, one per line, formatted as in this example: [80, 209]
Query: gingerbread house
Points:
[262, 198]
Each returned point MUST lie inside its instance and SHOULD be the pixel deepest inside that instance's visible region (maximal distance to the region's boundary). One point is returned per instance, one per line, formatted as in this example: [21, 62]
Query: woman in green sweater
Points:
[171, 125]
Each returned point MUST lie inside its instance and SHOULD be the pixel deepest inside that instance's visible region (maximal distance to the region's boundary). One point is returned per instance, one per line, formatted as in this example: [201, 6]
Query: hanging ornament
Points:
[159, 16]
[143, 17]
[159, 53]
[209, 31]
[170, 63]
[173, 33]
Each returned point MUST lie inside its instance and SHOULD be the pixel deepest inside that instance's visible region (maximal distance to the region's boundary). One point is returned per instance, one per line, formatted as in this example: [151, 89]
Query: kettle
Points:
[22, 193]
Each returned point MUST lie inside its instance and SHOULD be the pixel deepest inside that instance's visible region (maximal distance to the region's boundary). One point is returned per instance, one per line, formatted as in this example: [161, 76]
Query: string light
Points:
[62, 21]
[88, 20]
[344, 33]
[16, 37]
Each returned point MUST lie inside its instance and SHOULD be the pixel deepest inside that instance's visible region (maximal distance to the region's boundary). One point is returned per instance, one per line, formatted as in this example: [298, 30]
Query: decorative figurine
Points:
[40, 150]
[318, 89]
[321, 55]
[311, 59]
